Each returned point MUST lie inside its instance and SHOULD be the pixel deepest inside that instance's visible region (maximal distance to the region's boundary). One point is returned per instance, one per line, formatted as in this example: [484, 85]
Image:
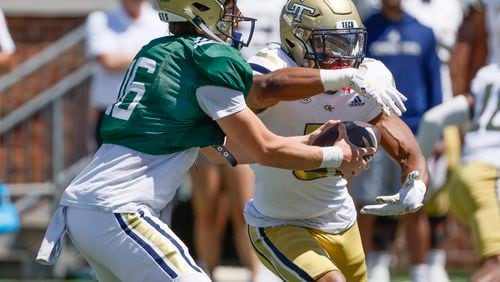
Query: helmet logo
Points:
[297, 10]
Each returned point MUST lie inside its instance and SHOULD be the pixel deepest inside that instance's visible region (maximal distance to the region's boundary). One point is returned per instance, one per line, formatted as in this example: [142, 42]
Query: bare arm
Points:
[288, 84]
[244, 157]
[115, 62]
[400, 143]
[248, 132]
[268, 149]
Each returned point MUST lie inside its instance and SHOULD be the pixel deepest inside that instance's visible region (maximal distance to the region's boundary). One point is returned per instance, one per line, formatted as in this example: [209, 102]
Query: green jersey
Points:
[157, 111]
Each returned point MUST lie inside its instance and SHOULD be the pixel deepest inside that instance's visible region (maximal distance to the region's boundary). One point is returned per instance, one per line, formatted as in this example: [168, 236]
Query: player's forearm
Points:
[407, 153]
[288, 84]
[288, 154]
[291, 84]
[115, 62]
[249, 134]
[400, 143]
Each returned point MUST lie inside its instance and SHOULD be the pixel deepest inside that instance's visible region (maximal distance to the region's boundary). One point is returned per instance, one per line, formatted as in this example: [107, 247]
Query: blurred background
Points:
[47, 124]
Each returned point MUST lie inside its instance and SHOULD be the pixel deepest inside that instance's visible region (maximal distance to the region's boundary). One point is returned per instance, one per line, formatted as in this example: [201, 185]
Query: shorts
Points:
[475, 200]
[297, 253]
[437, 201]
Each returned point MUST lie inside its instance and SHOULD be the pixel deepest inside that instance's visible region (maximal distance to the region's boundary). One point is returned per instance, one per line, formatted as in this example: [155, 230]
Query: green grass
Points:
[455, 276]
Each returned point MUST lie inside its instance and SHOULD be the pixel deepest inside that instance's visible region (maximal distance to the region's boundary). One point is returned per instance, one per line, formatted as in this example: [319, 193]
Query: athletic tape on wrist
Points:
[334, 80]
[332, 157]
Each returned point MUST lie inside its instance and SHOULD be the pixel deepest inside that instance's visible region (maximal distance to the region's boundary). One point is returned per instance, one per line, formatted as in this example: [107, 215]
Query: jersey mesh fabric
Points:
[159, 95]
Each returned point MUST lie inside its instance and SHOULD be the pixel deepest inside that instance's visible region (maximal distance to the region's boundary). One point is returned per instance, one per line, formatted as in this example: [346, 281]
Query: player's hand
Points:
[355, 158]
[409, 199]
[325, 126]
[374, 81]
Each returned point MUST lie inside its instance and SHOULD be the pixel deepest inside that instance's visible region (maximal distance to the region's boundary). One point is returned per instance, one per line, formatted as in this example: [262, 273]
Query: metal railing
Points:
[50, 125]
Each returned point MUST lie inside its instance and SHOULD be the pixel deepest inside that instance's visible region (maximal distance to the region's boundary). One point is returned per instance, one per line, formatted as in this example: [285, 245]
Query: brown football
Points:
[359, 133]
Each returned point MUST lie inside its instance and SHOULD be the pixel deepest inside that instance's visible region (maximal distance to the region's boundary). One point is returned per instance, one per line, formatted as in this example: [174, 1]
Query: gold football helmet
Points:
[323, 33]
[214, 17]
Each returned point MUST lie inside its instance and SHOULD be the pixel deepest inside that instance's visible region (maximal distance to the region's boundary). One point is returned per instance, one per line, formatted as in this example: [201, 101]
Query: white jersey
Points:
[482, 140]
[492, 9]
[280, 196]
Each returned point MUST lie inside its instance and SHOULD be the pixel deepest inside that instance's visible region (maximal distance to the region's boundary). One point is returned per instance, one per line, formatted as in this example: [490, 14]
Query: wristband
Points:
[334, 80]
[332, 157]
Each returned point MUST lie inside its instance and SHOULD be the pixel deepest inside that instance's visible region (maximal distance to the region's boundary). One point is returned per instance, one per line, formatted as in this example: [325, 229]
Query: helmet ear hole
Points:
[201, 7]
[290, 43]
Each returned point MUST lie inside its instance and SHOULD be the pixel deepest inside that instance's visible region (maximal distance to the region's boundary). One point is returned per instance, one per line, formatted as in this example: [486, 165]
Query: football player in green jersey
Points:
[180, 93]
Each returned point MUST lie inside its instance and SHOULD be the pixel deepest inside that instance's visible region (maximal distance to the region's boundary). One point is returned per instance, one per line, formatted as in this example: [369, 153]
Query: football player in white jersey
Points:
[475, 187]
[302, 224]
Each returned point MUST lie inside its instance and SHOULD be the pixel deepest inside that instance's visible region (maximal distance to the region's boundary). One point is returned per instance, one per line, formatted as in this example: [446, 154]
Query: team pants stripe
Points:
[277, 259]
[168, 254]
[174, 241]
[259, 253]
[154, 255]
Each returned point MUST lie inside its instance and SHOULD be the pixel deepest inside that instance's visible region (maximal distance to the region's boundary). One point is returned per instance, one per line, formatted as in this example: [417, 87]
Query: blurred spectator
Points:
[470, 51]
[367, 7]
[409, 50]
[7, 47]
[219, 193]
[444, 17]
[493, 29]
[267, 25]
[9, 215]
[113, 39]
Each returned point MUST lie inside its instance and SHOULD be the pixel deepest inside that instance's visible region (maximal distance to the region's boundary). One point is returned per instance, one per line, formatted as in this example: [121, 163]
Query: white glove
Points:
[409, 198]
[374, 81]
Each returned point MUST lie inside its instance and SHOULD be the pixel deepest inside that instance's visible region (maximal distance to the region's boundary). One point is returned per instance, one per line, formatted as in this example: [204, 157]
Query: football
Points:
[359, 133]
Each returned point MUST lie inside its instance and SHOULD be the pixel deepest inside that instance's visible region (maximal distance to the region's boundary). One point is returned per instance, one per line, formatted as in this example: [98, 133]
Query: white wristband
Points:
[334, 80]
[332, 157]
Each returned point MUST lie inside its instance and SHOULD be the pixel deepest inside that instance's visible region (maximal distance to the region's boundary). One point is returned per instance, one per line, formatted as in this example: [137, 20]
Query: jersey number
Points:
[489, 116]
[131, 91]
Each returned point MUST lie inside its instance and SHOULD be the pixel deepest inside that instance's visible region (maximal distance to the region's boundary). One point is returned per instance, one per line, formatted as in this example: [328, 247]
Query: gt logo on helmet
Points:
[297, 10]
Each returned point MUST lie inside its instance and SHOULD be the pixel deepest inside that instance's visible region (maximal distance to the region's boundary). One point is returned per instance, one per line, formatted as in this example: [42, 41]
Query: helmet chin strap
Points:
[201, 25]
[235, 41]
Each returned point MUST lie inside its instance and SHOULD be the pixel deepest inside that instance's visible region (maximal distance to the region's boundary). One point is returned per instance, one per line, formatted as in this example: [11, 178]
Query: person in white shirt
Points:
[7, 46]
[113, 39]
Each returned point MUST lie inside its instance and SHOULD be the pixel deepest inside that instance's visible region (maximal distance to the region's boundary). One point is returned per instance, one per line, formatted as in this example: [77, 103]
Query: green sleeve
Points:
[224, 66]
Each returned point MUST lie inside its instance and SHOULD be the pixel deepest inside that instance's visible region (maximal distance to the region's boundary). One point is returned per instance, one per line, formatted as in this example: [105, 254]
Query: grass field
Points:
[455, 276]
[241, 274]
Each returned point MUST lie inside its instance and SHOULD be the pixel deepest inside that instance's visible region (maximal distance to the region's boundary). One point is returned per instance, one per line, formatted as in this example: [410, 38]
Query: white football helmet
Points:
[323, 33]
[214, 17]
